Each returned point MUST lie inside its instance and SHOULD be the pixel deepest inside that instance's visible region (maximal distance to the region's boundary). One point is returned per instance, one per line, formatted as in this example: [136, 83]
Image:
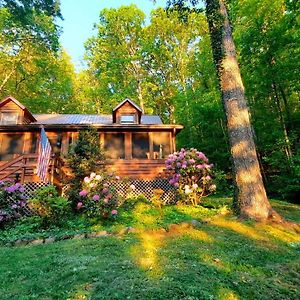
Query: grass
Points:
[223, 259]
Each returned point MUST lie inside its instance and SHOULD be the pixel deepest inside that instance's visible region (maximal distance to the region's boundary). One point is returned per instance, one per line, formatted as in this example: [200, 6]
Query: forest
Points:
[166, 65]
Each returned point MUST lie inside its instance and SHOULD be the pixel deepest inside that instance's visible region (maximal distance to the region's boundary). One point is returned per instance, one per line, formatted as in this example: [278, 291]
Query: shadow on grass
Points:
[223, 259]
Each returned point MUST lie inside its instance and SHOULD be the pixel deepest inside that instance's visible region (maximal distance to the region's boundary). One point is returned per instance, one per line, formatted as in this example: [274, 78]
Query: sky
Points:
[80, 16]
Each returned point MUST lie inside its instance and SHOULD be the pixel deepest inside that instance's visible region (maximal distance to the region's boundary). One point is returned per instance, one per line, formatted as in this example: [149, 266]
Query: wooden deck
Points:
[137, 168]
[22, 169]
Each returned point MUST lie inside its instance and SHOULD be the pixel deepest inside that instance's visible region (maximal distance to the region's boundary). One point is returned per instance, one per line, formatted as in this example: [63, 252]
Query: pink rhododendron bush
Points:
[191, 173]
[12, 202]
[98, 198]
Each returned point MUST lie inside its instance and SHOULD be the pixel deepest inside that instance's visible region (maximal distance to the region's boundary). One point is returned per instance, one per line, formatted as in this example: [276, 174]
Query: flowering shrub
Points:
[191, 174]
[12, 202]
[98, 198]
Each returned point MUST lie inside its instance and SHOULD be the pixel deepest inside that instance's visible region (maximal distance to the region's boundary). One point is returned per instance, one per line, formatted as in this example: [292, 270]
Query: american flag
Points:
[44, 156]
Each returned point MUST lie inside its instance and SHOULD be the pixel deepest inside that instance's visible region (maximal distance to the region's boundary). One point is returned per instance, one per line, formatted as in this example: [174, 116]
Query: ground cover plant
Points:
[222, 258]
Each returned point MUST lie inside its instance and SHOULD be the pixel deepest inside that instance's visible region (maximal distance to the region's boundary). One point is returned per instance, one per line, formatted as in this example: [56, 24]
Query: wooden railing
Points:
[19, 168]
[23, 167]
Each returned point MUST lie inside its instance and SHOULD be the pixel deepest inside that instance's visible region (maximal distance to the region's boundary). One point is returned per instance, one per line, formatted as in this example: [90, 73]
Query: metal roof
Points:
[47, 119]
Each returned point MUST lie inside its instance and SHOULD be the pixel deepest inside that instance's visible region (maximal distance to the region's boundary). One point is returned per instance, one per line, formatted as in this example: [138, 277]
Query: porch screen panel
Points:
[114, 145]
[33, 143]
[140, 145]
[161, 144]
[55, 140]
[11, 145]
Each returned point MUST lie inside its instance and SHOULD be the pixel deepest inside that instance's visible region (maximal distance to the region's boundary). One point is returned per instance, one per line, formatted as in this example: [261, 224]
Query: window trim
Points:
[133, 116]
[12, 112]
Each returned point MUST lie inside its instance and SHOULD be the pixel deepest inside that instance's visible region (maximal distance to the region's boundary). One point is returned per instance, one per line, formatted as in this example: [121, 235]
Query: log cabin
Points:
[135, 143]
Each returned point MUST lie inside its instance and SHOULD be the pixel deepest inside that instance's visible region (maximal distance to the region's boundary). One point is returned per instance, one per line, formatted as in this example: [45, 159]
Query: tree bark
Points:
[250, 197]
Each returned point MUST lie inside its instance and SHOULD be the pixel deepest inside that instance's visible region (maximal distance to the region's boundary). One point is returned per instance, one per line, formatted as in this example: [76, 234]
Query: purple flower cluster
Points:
[190, 171]
[12, 201]
[18, 187]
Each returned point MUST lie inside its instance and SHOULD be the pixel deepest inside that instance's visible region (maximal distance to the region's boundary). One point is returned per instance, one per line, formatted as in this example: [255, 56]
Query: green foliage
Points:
[49, 206]
[34, 18]
[85, 157]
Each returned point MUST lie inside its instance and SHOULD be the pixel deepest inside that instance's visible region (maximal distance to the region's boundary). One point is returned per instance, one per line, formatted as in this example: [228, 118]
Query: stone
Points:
[185, 225]
[174, 228]
[130, 230]
[79, 236]
[195, 223]
[50, 239]
[97, 234]
[36, 242]
[21, 242]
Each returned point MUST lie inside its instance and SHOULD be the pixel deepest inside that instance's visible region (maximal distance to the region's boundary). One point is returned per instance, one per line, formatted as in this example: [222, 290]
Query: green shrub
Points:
[47, 204]
[85, 156]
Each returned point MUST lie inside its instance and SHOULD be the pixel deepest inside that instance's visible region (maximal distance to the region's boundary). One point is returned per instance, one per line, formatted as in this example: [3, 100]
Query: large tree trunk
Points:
[250, 196]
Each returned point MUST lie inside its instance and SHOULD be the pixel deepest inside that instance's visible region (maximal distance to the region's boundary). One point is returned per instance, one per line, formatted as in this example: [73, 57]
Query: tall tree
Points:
[250, 196]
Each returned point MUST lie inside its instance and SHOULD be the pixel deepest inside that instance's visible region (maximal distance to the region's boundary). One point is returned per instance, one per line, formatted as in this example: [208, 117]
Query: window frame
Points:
[133, 116]
[11, 112]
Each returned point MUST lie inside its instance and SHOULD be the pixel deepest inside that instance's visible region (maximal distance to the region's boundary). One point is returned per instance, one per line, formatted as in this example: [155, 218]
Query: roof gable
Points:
[130, 102]
[12, 99]
[27, 117]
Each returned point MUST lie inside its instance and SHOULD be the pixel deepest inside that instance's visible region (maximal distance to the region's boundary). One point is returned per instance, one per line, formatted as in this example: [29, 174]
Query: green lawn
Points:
[222, 259]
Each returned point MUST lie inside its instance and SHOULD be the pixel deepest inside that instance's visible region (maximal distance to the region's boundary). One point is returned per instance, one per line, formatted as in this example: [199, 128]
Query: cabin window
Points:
[127, 119]
[9, 118]
[10, 145]
[161, 144]
[140, 145]
[114, 145]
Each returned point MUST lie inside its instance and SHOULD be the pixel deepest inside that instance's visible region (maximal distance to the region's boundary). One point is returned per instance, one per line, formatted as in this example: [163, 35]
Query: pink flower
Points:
[109, 196]
[79, 205]
[93, 175]
[83, 193]
[117, 177]
[105, 184]
[87, 180]
[96, 197]
[105, 200]
[178, 165]
[208, 177]
[114, 212]
[105, 190]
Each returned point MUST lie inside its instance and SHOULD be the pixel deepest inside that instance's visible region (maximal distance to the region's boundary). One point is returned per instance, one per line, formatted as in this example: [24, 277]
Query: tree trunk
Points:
[250, 197]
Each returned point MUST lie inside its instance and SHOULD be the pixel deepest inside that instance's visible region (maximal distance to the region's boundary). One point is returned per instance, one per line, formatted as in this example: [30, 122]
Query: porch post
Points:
[128, 145]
